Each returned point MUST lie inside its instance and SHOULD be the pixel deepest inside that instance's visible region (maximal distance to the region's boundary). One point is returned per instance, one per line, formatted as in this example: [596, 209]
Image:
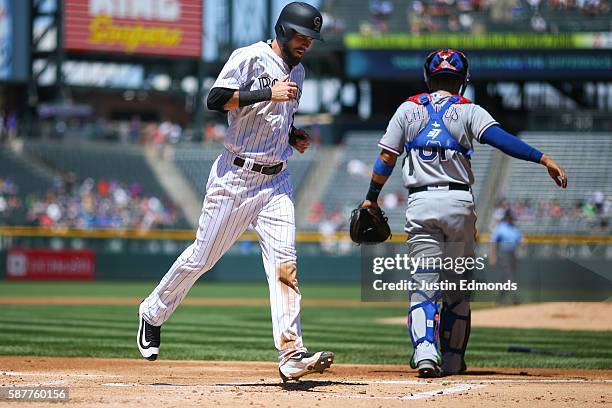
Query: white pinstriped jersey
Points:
[259, 131]
[465, 122]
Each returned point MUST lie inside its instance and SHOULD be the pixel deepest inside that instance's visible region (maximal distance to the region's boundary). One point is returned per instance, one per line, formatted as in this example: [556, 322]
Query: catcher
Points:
[437, 130]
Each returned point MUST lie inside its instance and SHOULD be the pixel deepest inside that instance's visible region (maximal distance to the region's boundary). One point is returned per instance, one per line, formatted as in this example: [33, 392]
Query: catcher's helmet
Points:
[301, 17]
[447, 62]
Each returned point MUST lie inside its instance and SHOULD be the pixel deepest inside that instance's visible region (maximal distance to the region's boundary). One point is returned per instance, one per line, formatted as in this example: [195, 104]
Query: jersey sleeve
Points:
[394, 138]
[519, 237]
[299, 77]
[480, 121]
[237, 70]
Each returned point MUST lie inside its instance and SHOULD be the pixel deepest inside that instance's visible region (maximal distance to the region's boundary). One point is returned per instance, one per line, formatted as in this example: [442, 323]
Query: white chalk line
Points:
[37, 384]
[122, 385]
[54, 374]
[458, 386]
[416, 396]
[489, 381]
[444, 391]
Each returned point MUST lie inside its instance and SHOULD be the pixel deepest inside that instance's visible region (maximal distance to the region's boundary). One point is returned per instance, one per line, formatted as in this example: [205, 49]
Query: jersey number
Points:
[430, 152]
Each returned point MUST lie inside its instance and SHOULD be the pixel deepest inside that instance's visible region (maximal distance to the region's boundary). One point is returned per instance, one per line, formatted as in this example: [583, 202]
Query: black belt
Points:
[451, 186]
[260, 168]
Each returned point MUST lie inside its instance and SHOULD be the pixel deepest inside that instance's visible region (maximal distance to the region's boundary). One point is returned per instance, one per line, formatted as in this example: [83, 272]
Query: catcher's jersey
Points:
[424, 166]
[259, 131]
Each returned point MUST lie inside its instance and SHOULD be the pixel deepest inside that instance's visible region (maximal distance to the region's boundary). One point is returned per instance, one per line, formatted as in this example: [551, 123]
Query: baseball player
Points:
[249, 186]
[436, 130]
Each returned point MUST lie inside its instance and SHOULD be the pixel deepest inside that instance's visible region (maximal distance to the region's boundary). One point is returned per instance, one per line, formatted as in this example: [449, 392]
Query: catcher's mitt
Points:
[369, 226]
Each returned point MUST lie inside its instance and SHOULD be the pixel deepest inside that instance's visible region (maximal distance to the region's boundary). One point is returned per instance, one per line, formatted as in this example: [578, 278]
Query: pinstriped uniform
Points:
[259, 131]
[238, 198]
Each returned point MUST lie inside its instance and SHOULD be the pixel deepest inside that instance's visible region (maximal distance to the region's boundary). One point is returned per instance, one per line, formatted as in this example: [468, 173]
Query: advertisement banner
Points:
[484, 65]
[152, 27]
[48, 264]
[490, 41]
[14, 40]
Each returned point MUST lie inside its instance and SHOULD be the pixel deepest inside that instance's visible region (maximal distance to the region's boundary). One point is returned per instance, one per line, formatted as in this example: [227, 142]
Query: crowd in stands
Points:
[149, 133]
[444, 16]
[137, 131]
[10, 202]
[589, 215]
[329, 223]
[133, 131]
[87, 204]
[472, 16]
[214, 132]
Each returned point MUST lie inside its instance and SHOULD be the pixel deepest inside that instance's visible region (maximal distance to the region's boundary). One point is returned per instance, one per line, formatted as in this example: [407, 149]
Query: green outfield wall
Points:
[547, 266]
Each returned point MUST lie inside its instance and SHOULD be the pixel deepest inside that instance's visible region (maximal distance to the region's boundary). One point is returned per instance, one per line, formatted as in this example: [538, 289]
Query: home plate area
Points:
[132, 383]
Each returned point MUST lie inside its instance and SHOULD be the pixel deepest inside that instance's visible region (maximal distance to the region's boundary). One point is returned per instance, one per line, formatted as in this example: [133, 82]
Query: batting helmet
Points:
[301, 17]
[447, 62]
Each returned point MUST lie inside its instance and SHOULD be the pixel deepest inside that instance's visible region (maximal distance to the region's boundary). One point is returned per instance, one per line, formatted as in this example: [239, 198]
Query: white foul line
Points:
[44, 373]
[449, 390]
[485, 381]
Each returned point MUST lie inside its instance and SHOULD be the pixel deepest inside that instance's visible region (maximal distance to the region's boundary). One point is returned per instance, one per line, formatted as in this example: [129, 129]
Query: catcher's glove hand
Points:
[369, 225]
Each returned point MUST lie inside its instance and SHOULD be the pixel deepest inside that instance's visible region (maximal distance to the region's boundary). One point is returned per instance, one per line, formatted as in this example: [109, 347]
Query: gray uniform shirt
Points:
[465, 122]
[259, 131]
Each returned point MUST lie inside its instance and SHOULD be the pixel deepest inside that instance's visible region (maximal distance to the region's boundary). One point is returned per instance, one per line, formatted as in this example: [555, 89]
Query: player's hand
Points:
[300, 140]
[284, 90]
[369, 204]
[555, 171]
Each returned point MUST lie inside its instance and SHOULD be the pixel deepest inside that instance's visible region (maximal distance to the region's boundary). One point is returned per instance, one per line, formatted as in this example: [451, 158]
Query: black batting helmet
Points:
[447, 62]
[301, 17]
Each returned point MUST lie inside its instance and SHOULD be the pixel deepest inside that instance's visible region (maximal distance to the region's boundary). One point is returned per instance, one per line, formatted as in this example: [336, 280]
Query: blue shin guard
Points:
[423, 323]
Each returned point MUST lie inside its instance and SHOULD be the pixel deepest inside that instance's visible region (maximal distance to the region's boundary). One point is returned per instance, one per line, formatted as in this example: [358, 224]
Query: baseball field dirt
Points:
[551, 315]
[137, 383]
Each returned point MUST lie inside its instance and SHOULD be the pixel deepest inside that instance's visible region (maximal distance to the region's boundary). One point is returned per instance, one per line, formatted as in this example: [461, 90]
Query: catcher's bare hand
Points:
[555, 171]
[369, 204]
[284, 90]
[300, 140]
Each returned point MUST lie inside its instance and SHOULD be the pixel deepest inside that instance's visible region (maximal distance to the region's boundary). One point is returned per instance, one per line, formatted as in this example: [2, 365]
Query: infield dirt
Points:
[136, 383]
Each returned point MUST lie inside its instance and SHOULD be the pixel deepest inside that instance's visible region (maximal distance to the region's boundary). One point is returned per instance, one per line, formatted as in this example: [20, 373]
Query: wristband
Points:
[250, 97]
[374, 191]
[382, 168]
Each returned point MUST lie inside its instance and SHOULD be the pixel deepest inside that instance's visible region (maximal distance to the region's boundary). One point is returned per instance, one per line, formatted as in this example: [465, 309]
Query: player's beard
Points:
[288, 56]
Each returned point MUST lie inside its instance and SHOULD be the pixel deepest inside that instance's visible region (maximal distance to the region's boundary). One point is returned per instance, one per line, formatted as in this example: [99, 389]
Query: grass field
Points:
[244, 332]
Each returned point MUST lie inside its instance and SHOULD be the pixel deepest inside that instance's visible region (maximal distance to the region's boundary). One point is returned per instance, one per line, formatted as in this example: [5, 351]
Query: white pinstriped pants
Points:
[237, 198]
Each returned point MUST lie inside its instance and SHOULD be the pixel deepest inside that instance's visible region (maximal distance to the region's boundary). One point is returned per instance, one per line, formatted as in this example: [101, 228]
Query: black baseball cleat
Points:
[445, 372]
[303, 363]
[148, 338]
[428, 369]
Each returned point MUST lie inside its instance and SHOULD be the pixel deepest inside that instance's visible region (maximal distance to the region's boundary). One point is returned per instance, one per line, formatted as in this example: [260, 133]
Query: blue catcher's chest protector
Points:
[435, 134]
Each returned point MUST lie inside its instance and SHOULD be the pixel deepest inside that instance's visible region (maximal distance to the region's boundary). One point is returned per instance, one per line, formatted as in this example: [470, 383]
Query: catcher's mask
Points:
[447, 62]
[300, 17]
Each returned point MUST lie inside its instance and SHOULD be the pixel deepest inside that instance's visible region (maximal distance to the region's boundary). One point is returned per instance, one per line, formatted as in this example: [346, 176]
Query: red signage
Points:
[48, 264]
[155, 27]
